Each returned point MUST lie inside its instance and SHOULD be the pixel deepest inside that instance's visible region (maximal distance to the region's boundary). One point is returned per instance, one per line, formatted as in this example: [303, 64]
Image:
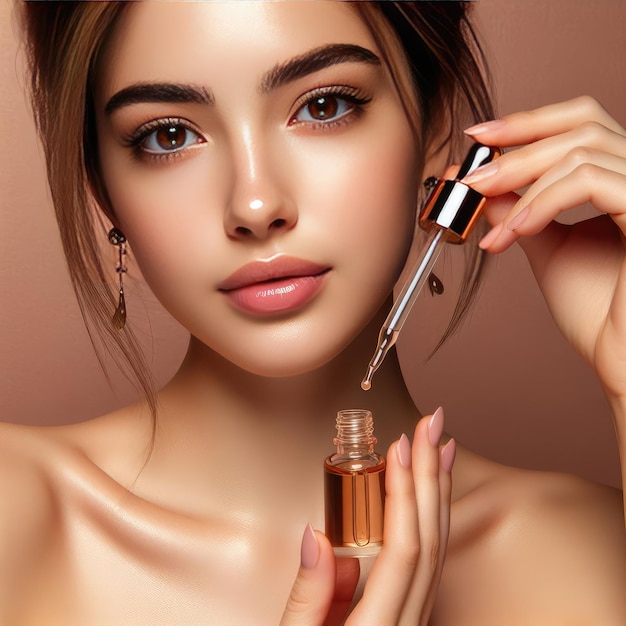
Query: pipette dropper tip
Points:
[366, 383]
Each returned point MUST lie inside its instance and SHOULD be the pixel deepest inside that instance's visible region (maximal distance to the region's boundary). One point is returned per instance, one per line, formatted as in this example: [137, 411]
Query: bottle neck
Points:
[355, 433]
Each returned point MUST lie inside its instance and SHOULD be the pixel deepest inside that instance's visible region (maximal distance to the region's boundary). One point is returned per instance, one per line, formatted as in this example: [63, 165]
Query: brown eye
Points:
[169, 137]
[323, 108]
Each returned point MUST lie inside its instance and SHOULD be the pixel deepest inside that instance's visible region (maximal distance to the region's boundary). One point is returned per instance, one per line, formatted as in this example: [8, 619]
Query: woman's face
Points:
[260, 163]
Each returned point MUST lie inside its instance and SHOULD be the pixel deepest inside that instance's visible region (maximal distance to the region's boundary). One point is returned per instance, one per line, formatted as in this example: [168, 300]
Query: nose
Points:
[259, 217]
[260, 205]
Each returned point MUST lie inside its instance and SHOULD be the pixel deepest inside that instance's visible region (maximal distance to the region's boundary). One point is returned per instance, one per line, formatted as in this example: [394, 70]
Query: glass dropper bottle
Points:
[450, 211]
[354, 487]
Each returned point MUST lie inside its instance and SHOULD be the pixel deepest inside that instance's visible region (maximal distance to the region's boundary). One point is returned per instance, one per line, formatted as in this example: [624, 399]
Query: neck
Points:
[213, 412]
[222, 389]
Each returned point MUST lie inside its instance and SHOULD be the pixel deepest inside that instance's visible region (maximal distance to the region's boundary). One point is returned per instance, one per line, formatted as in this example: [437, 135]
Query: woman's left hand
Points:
[572, 153]
[404, 580]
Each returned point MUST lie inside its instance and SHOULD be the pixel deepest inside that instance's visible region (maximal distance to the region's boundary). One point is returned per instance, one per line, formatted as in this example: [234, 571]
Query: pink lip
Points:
[280, 285]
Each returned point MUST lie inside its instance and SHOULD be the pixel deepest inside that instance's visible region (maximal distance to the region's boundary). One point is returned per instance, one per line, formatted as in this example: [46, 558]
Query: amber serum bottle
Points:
[354, 487]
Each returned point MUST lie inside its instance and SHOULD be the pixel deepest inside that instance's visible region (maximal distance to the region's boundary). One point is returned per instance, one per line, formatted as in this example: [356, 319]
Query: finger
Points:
[447, 454]
[530, 126]
[497, 208]
[604, 189]
[575, 160]
[392, 573]
[313, 589]
[502, 210]
[496, 211]
[426, 477]
[522, 167]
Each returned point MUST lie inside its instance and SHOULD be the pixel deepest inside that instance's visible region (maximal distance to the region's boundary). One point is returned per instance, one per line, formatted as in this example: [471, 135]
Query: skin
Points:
[320, 182]
[576, 154]
[210, 529]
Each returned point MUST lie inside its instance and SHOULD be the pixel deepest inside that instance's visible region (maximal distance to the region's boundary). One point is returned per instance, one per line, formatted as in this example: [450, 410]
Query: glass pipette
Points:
[448, 216]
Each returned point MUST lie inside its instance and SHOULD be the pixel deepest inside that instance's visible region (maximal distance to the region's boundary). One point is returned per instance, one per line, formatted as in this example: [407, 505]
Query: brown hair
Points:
[64, 40]
[449, 89]
[63, 43]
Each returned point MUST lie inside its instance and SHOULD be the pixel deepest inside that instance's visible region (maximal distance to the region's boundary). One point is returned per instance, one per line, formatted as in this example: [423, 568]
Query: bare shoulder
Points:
[43, 473]
[26, 455]
[543, 548]
[28, 516]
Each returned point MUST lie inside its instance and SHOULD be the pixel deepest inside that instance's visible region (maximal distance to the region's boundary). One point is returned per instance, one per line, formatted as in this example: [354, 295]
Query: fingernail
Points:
[448, 454]
[484, 171]
[490, 237]
[518, 220]
[404, 452]
[435, 427]
[484, 127]
[310, 550]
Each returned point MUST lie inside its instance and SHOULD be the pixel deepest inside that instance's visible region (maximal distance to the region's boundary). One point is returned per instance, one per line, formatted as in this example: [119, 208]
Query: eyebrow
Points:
[158, 92]
[281, 74]
[313, 61]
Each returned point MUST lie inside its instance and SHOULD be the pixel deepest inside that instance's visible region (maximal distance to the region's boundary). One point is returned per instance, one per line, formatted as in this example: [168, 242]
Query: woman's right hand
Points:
[404, 580]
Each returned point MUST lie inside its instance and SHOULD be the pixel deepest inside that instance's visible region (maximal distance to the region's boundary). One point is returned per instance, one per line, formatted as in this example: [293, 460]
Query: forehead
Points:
[222, 41]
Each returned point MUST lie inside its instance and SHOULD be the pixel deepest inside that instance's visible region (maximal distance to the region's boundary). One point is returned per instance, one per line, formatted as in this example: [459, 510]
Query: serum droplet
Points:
[366, 383]
[434, 284]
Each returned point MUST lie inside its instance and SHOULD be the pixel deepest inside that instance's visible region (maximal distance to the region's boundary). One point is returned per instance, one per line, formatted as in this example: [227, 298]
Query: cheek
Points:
[360, 197]
[364, 199]
[356, 210]
[163, 212]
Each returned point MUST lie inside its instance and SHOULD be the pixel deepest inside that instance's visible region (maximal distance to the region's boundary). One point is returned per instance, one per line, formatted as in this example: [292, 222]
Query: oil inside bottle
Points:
[354, 488]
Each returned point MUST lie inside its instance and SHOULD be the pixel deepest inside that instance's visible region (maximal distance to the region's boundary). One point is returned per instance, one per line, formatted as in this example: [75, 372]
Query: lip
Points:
[279, 285]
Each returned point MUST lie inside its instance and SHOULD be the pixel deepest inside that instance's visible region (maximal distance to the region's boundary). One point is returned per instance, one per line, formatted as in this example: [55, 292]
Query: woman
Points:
[263, 149]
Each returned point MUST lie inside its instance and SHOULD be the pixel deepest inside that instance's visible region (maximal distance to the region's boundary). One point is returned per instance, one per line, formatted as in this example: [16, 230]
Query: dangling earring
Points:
[117, 238]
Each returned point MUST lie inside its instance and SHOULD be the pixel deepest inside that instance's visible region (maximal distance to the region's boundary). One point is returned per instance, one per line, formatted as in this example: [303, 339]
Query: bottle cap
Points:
[453, 205]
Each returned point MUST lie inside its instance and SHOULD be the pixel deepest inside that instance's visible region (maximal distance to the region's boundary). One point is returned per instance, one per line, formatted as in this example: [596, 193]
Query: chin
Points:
[289, 347]
[287, 356]
[297, 363]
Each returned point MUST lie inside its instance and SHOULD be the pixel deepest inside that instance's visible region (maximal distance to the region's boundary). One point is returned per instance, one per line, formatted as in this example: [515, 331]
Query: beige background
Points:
[511, 387]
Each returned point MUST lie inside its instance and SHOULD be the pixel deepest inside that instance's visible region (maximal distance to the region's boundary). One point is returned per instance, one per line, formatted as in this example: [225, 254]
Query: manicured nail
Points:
[484, 171]
[448, 453]
[404, 452]
[310, 549]
[435, 427]
[518, 220]
[490, 237]
[484, 127]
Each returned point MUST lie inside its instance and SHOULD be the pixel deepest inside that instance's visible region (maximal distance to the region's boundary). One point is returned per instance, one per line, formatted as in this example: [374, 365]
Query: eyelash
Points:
[145, 131]
[351, 95]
